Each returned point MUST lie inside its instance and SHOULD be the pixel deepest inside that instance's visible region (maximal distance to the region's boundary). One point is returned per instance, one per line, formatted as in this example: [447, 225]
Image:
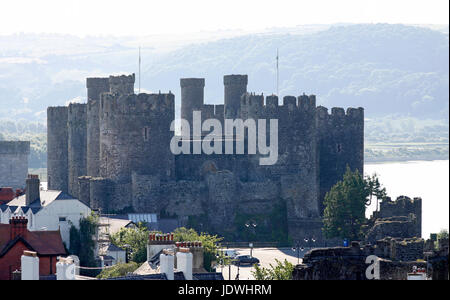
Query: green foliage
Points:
[443, 234]
[120, 269]
[135, 239]
[345, 205]
[209, 243]
[82, 242]
[281, 271]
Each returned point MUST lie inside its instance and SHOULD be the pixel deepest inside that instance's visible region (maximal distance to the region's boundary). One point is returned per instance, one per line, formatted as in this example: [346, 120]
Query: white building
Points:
[46, 210]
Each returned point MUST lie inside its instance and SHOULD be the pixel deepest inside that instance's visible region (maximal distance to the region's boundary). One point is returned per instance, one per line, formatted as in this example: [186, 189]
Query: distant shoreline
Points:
[406, 159]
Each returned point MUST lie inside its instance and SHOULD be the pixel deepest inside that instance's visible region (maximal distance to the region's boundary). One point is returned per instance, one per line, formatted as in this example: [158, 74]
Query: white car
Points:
[231, 253]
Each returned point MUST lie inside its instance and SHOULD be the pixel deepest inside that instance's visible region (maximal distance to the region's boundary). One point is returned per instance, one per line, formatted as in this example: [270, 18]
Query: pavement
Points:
[266, 257]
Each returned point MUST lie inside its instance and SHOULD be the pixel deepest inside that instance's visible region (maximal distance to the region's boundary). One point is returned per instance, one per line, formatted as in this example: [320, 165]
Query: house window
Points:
[62, 219]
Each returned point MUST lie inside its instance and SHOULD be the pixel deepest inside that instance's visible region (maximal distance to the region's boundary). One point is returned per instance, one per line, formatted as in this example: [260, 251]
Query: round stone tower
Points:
[235, 87]
[57, 151]
[192, 96]
[77, 144]
[95, 86]
[135, 136]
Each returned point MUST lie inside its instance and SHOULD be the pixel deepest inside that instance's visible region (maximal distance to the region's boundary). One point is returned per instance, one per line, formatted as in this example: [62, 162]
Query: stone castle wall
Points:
[14, 163]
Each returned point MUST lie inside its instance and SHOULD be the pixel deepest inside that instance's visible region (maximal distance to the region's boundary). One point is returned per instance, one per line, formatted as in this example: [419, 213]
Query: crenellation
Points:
[272, 101]
[123, 84]
[290, 102]
[337, 112]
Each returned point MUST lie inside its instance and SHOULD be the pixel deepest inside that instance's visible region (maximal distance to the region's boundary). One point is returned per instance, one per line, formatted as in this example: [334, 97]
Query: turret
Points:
[192, 96]
[77, 144]
[123, 84]
[57, 149]
[95, 87]
[235, 86]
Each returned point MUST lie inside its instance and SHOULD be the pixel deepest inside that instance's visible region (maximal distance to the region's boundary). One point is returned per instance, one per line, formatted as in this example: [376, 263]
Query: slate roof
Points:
[46, 197]
[114, 248]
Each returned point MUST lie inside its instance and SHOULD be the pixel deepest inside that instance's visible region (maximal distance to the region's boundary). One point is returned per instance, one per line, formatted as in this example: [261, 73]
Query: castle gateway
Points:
[114, 153]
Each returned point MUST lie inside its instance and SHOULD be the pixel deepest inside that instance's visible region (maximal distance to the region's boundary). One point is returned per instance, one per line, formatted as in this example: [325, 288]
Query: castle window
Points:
[338, 148]
[146, 133]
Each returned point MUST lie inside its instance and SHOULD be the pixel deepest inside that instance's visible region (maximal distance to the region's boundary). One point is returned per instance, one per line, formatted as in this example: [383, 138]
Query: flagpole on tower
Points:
[278, 75]
[139, 69]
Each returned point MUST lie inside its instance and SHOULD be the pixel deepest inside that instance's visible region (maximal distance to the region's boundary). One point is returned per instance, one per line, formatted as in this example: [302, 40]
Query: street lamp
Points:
[298, 248]
[251, 224]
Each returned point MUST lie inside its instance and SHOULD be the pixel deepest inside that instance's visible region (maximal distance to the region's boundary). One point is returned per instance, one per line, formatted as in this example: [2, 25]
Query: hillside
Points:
[398, 73]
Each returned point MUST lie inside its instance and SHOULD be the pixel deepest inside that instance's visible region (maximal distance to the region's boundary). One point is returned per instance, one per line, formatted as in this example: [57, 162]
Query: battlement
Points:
[74, 108]
[15, 147]
[187, 82]
[340, 113]
[123, 84]
[137, 104]
[253, 105]
[95, 82]
[57, 110]
[235, 79]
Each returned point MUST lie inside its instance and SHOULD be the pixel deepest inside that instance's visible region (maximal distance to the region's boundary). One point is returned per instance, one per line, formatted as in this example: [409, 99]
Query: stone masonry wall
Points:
[14, 163]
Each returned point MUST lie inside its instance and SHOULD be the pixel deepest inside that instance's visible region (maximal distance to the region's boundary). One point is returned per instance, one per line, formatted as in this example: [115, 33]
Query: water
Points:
[425, 179]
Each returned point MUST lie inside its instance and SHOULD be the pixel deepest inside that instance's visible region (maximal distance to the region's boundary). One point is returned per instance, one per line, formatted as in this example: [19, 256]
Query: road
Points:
[266, 257]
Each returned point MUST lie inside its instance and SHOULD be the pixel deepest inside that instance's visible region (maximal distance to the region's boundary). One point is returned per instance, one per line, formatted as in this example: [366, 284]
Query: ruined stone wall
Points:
[397, 227]
[57, 149]
[14, 163]
[340, 143]
[77, 145]
[403, 206]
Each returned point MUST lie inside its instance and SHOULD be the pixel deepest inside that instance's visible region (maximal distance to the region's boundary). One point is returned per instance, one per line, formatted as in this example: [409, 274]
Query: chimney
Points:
[65, 269]
[197, 250]
[32, 193]
[184, 262]
[158, 242]
[30, 265]
[167, 262]
[17, 226]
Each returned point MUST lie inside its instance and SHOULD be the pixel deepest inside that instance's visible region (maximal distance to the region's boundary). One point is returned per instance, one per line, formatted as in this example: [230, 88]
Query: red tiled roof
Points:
[43, 242]
[6, 194]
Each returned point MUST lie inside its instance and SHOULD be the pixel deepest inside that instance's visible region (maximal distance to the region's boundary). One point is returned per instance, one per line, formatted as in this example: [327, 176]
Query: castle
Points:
[113, 153]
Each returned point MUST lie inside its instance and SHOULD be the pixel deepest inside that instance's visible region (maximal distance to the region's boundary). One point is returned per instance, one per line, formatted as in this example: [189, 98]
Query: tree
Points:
[135, 239]
[120, 269]
[82, 241]
[281, 271]
[209, 243]
[345, 204]
[443, 234]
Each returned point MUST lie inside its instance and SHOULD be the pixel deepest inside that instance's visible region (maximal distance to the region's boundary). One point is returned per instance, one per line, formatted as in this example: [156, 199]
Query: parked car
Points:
[245, 260]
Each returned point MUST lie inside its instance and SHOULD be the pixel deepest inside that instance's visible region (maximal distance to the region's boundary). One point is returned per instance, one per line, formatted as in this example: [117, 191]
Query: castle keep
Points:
[114, 153]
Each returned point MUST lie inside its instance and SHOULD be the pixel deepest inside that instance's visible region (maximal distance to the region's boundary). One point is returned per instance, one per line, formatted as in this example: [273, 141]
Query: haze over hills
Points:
[398, 73]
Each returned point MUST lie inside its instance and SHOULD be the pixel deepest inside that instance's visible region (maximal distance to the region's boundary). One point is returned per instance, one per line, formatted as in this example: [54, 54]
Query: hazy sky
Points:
[134, 17]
